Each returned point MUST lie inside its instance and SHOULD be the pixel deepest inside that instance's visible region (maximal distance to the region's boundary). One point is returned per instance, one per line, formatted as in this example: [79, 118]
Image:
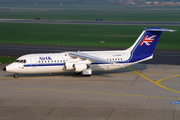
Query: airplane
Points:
[85, 62]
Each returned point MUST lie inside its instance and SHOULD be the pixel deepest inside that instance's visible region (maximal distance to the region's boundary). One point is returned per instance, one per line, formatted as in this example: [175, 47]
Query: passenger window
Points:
[24, 61]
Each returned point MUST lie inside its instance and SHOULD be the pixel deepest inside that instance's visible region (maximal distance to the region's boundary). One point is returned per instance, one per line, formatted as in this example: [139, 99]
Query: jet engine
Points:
[80, 67]
[68, 66]
[76, 67]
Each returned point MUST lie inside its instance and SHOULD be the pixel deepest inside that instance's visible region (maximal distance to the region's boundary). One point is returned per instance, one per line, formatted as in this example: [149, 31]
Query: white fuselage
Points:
[54, 62]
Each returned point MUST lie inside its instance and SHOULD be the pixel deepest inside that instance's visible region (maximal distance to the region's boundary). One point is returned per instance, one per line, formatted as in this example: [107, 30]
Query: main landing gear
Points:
[86, 73]
[15, 76]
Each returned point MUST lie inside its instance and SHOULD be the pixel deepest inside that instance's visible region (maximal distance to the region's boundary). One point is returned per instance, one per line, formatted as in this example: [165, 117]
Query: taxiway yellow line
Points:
[102, 93]
[5, 78]
[157, 82]
[141, 75]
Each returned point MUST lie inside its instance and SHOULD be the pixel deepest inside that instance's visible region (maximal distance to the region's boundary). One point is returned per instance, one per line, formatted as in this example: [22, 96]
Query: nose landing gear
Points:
[15, 76]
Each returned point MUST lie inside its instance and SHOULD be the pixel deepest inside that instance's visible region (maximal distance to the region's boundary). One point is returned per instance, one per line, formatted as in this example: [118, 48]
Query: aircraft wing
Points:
[89, 57]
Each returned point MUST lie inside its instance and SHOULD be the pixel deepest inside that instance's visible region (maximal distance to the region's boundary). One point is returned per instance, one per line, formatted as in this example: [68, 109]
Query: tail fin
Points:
[145, 44]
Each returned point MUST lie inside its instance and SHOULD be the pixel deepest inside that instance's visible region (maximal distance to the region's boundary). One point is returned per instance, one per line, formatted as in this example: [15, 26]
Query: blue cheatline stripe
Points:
[36, 65]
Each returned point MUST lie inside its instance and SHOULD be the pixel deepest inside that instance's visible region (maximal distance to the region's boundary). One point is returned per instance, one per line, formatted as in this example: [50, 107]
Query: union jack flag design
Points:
[147, 39]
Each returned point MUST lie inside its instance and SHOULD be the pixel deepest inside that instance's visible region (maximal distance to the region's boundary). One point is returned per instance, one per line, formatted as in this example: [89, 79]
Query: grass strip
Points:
[82, 35]
[4, 60]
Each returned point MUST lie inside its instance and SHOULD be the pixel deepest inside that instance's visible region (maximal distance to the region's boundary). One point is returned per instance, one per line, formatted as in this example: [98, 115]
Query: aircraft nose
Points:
[4, 68]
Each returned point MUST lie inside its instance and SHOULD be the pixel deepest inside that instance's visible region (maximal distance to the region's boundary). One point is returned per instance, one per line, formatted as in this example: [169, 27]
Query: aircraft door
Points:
[33, 62]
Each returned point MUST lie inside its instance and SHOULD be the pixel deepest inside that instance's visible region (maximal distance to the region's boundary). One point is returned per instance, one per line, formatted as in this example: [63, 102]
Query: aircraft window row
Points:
[114, 59]
[51, 61]
[21, 61]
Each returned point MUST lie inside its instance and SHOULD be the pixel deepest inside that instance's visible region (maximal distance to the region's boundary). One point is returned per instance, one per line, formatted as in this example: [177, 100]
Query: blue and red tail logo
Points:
[145, 44]
[147, 40]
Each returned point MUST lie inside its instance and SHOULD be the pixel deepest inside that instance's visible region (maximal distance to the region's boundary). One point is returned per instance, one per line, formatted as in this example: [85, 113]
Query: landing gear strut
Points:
[15, 76]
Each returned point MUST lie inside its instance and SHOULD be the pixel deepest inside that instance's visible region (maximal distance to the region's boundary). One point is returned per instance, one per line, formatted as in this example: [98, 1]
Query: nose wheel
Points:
[15, 76]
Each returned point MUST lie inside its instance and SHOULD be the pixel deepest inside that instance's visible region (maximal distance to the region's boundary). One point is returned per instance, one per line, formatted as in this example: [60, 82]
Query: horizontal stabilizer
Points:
[159, 29]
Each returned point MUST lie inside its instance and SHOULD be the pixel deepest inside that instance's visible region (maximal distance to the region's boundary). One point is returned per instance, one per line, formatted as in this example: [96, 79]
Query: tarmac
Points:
[139, 92]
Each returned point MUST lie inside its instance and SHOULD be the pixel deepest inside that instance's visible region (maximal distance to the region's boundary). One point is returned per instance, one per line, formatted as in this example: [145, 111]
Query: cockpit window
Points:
[21, 61]
[17, 60]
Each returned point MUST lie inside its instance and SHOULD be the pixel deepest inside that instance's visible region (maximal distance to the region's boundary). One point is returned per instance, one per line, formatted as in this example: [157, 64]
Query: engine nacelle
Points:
[68, 66]
[80, 67]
